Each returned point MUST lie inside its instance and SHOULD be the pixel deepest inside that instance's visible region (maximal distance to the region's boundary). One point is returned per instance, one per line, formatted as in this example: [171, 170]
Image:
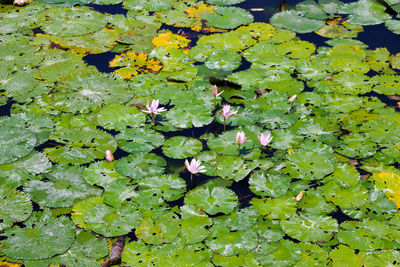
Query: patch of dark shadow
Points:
[37, 30]
[109, 9]
[101, 61]
[112, 132]
[119, 153]
[191, 132]
[242, 190]
[48, 144]
[221, 82]
[131, 236]
[340, 216]
[262, 11]
[179, 202]
[5, 109]
[390, 101]
[286, 237]
[245, 65]
[35, 206]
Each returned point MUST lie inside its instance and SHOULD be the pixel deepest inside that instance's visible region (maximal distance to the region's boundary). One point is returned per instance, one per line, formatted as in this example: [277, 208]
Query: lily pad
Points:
[279, 208]
[118, 117]
[65, 185]
[16, 143]
[272, 184]
[228, 17]
[168, 187]
[194, 224]
[136, 140]
[15, 207]
[224, 60]
[295, 21]
[180, 147]
[46, 235]
[212, 200]
[226, 144]
[310, 227]
[140, 165]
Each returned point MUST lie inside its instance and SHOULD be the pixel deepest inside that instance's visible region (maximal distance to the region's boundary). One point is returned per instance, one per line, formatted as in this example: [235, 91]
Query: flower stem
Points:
[238, 149]
[191, 179]
[224, 124]
[215, 102]
[153, 121]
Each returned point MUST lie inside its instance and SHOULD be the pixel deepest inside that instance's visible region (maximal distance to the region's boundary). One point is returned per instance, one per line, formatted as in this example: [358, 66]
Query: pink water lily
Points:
[226, 113]
[240, 139]
[153, 109]
[194, 167]
[215, 91]
[109, 155]
[264, 139]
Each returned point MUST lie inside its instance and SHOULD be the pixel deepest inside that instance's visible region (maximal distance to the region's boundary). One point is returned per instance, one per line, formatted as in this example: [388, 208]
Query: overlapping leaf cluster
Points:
[309, 200]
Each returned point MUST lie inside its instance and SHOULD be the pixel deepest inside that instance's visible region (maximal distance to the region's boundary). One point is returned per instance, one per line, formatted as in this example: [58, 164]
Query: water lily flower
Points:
[194, 167]
[215, 91]
[153, 109]
[240, 139]
[264, 139]
[299, 196]
[226, 113]
[292, 98]
[109, 155]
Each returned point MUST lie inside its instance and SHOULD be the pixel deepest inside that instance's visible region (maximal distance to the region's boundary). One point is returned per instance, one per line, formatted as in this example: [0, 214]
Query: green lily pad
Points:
[226, 144]
[239, 220]
[65, 185]
[228, 18]
[386, 84]
[71, 21]
[288, 253]
[272, 184]
[234, 168]
[310, 227]
[80, 145]
[279, 208]
[191, 255]
[212, 200]
[137, 253]
[151, 5]
[17, 172]
[365, 12]
[136, 140]
[160, 230]
[194, 224]
[46, 235]
[308, 165]
[224, 60]
[110, 222]
[180, 147]
[224, 2]
[168, 187]
[296, 49]
[81, 208]
[345, 255]
[228, 243]
[16, 143]
[140, 165]
[15, 207]
[86, 250]
[313, 202]
[352, 197]
[118, 117]
[295, 21]
[192, 116]
[86, 93]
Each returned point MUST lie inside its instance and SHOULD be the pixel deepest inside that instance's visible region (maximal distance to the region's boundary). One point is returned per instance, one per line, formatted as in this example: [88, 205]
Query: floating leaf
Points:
[118, 117]
[212, 200]
[133, 64]
[272, 184]
[228, 18]
[352, 197]
[345, 30]
[169, 39]
[365, 12]
[295, 21]
[160, 230]
[296, 49]
[140, 165]
[310, 227]
[224, 60]
[46, 235]
[109, 221]
[226, 144]
[228, 243]
[192, 116]
[136, 140]
[224, 2]
[180, 147]
[65, 185]
[71, 21]
[15, 143]
[15, 207]
[234, 168]
[344, 255]
[194, 224]
[389, 184]
[279, 208]
[168, 187]
[151, 5]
